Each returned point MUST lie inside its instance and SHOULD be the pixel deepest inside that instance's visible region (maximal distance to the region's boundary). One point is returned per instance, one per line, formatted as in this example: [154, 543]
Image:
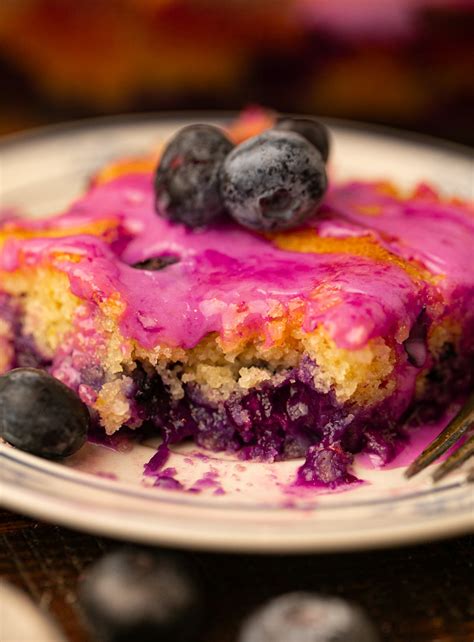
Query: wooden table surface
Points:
[421, 593]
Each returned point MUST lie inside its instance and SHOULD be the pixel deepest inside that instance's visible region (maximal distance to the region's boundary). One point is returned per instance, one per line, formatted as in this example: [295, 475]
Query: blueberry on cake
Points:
[230, 295]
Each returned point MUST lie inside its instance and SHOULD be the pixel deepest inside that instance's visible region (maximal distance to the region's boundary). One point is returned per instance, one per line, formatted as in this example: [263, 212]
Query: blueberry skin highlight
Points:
[40, 415]
[137, 594]
[187, 179]
[313, 130]
[305, 617]
[274, 181]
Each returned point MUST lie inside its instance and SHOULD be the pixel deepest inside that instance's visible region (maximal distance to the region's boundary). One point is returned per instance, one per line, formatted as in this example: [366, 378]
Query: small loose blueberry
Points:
[311, 129]
[305, 617]
[187, 180]
[274, 181]
[40, 415]
[156, 263]
[135, 594]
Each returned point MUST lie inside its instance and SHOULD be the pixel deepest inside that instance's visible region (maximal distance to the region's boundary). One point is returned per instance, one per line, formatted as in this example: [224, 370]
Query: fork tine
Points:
[455, 460]
[453, 431]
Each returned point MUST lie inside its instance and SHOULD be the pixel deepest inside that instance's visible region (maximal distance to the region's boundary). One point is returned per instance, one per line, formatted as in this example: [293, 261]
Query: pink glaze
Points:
[229, 280]
[437, 234]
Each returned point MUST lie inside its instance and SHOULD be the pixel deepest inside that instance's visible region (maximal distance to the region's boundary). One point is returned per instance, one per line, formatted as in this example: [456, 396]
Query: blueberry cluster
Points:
[273, 181]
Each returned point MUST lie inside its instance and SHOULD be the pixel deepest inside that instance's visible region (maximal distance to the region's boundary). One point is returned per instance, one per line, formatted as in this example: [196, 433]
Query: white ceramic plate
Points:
[105, 492]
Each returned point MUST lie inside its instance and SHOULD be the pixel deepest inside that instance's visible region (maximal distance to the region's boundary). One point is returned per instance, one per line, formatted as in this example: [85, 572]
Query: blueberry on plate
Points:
[311, 129]
[274, 181]
[305, 617]
[135, 594]
[40, 415]
[187, 177]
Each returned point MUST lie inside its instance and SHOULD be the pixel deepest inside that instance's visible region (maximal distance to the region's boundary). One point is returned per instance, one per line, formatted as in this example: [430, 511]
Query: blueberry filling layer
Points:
[287, 417]
[275, 422]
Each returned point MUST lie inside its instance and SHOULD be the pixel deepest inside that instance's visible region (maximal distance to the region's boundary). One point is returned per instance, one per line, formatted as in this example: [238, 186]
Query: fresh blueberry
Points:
[274, 181]
[156, 263]
[309, 128]
[40, 414]
[187, 177]
[135, 594]
[304, 617]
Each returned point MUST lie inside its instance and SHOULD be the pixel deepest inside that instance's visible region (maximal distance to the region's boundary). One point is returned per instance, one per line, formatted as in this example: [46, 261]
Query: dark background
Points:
[406, 63]
[412, 594]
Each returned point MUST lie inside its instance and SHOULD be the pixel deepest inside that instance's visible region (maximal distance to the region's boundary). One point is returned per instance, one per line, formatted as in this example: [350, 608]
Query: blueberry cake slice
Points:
[273, 342]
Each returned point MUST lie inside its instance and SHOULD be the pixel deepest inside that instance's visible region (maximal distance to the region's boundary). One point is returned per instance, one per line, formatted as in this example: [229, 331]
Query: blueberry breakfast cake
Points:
[232, 296]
